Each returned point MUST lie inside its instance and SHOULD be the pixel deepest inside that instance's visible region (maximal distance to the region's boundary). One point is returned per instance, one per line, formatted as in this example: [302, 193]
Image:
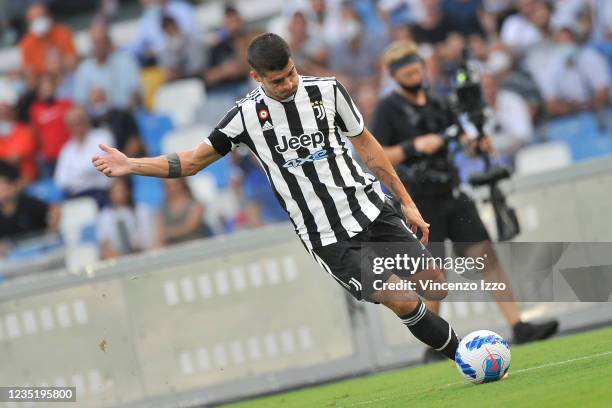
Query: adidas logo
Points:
[267, 125]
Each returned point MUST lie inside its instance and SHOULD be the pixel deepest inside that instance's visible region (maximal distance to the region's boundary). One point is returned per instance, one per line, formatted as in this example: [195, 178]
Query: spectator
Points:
[324, 20]
[45, 34]
[120, 122]
[21, 214]
[117, 227]
[150, 40]
[184, 54]
[434, 26]
[228, 73]
[508, 124]
[308, 52]
[520, 31]
[62, 77]
[601, 16]
[356, 54]
[17, 143]
[578, 78]
[74, 172]
[182, 216]
[514, 78]
[465, 15]
[47, 117]
[114, 71]
[401, 12]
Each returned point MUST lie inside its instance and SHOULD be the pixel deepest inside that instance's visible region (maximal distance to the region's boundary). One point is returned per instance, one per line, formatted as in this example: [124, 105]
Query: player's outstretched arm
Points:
[374, 157]
[116, 164]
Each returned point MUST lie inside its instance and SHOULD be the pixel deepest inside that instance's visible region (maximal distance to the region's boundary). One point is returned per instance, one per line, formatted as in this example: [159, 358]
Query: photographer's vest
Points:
[429, 175]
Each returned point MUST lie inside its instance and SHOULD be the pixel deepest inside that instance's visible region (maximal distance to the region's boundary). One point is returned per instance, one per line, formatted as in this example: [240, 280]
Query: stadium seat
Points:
[213, 110]
[151, 78]
[148, 191]
[180, 99]
[77, 214]
[542, 157]
[153, 127]
[46, 190]
[583, 133]
[77, 227]
[187, 139]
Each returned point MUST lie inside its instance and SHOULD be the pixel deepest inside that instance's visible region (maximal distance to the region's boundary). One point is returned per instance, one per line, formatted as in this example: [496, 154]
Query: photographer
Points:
[412, 125]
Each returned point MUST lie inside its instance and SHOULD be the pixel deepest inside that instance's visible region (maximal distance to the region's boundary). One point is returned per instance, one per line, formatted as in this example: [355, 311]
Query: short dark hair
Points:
[268, 52]
[8, 172]
[168, 21]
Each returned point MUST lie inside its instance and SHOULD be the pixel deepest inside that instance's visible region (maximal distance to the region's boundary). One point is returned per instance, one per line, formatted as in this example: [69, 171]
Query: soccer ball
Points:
[483, 356]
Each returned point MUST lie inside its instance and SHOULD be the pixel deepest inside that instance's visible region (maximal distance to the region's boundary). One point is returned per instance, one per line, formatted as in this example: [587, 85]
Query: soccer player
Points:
[293, 125]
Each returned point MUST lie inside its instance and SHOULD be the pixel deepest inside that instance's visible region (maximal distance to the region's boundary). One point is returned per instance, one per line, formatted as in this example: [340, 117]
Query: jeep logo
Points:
[295, 142]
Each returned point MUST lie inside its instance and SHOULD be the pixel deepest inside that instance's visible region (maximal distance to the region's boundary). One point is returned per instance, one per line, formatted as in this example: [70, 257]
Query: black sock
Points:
[432, 330]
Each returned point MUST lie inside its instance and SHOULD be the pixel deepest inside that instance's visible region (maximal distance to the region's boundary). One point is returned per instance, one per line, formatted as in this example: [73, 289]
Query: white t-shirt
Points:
[75, 172]
[575, 75]
[519, 33]
[509, 124]
[119, 227]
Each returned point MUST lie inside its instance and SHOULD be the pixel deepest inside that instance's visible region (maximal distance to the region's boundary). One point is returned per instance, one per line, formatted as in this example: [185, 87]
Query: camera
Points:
[468, 102]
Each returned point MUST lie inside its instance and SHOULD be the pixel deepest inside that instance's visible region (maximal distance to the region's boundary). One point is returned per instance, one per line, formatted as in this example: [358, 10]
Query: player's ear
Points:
[256, 77]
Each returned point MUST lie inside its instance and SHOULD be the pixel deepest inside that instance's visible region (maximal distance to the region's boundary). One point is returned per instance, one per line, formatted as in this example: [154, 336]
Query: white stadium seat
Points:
[542, 157]
[184, 139]
[78, 214]
[180, 99]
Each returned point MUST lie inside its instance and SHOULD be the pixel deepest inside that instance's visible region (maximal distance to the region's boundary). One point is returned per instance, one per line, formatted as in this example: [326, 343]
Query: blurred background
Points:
[183, 292]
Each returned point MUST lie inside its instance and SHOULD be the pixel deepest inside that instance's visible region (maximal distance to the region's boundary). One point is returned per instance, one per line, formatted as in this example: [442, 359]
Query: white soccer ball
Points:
[483, 356]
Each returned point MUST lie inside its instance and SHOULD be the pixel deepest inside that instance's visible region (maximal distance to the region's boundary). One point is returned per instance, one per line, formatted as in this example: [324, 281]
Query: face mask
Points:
[97, 110]
[412, 89]
[6, 128]
[568, 52]
[40, 26]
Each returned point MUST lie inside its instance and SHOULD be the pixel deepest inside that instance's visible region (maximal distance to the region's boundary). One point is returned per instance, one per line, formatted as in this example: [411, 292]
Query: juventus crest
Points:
[319, 109]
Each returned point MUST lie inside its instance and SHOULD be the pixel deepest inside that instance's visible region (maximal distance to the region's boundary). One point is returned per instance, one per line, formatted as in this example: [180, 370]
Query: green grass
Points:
[571, 371]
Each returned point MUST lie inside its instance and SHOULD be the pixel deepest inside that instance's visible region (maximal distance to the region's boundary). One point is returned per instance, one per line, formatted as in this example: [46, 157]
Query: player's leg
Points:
[434, 211]
[431, 329]
[428, 327]
[472, 240]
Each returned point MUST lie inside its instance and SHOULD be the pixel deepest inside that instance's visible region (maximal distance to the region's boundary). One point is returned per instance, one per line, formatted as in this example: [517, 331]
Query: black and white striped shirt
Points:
[298, 142]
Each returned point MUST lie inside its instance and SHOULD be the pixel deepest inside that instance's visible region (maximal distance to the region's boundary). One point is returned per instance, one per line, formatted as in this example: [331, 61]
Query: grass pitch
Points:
[571, 371]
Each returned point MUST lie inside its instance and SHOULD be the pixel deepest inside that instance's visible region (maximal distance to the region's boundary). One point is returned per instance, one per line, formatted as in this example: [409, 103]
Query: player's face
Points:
[280, 84]
[410, 74]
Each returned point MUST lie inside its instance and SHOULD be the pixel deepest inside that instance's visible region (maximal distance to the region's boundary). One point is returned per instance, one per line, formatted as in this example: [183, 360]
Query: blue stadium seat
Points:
[45, 190]
[221, 171]
[153, 127]
[148, 191]
[583, 133]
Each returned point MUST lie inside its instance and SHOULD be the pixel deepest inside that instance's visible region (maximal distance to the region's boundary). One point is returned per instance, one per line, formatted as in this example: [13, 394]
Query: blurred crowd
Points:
[538, 60]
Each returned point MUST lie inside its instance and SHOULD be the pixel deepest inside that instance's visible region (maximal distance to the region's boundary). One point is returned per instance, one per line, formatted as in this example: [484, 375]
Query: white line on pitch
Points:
[514, 372]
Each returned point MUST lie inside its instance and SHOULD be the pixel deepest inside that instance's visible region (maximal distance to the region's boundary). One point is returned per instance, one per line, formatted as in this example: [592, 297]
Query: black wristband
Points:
[409, 150]
[174, 165]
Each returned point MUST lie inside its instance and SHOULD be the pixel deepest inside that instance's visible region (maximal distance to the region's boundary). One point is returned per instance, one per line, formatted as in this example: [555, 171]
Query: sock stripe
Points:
[416, 318]
[450, 336]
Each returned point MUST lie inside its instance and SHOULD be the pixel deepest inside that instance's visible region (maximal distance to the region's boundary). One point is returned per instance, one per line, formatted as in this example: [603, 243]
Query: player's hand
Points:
[415, 221]
[429, 143]
[113, 164]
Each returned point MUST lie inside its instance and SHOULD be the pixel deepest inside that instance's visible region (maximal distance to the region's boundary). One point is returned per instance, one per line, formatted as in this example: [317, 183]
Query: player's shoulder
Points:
[314, 80]
[250, 98]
